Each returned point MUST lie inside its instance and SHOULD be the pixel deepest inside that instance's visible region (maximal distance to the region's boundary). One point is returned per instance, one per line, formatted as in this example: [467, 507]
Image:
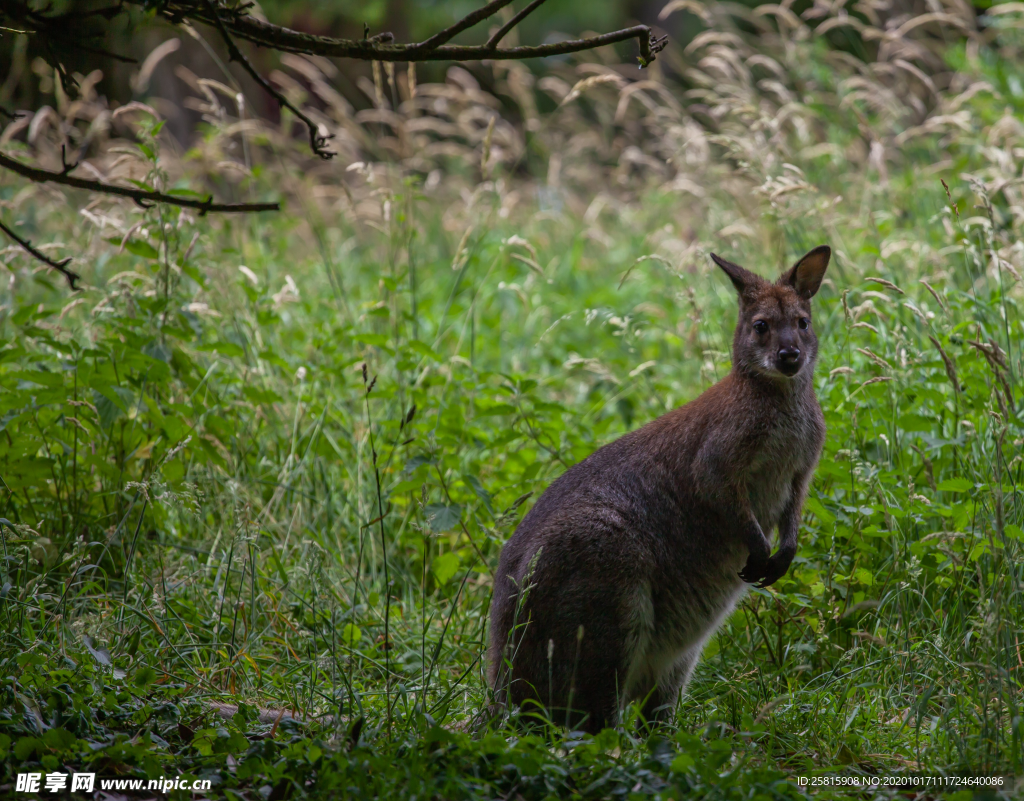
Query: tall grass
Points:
[271, 461]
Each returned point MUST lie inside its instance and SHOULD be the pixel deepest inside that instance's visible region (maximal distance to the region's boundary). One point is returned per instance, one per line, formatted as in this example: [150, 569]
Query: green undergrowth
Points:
[270, 461]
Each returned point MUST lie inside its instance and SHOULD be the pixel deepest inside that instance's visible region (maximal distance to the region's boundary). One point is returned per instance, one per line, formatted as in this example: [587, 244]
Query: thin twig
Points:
[467, 21]
[504, 29]
[59, 266]
[317, 141]
[141, 196]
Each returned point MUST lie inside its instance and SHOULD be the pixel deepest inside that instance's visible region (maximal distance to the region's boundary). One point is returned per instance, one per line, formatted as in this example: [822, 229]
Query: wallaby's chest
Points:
[788, 446]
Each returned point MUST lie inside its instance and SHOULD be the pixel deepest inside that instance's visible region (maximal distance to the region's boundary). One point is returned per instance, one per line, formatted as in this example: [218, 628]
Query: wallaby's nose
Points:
[789, 355]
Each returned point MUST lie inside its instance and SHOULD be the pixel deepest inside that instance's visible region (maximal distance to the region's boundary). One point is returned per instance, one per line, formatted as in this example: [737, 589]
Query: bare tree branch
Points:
[287, 40]
[235, 22]
[59, 266]
[504, 29]
[317, 141]
[381, 47]
[141, 196]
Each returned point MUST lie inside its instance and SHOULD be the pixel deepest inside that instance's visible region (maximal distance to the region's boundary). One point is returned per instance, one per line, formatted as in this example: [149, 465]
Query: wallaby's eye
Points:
[761, 327]
[804, 322]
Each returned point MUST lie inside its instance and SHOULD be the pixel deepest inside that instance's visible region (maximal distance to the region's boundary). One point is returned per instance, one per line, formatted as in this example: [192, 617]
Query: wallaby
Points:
[626, 565]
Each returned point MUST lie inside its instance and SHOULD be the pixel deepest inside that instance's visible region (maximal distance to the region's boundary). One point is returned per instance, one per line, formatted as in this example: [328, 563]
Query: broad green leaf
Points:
[445, 566]
[58, 739]
[351, 634]
[442, 517]
[144, 676]
[422, 349]
[25, 747]
[43, 379]
[141, 248]
[417, 461]
[101, 655]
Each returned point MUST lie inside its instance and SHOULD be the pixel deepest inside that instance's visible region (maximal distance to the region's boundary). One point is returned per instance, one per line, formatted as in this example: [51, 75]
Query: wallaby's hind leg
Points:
[586, 701]
[600, 709]
[661, 702]
[567, 657]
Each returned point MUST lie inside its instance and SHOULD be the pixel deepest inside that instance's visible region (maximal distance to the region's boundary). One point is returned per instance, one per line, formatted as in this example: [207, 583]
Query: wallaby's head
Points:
[774, 335]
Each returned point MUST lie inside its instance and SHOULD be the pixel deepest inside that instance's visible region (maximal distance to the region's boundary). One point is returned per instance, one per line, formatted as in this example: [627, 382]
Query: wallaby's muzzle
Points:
[789, 361]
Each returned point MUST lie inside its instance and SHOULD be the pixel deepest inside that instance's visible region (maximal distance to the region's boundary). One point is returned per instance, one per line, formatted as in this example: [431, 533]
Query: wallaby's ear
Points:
[805, 276]
[741, 278]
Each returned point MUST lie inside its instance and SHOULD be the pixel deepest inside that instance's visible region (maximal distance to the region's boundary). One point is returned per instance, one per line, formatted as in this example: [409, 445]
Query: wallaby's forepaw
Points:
[755, 570]
[774, 569]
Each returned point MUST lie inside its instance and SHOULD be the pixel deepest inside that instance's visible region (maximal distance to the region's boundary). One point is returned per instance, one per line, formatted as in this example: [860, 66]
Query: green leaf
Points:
[269, 355]
[711, 649]
[122, 397]
[110, 404]
[443, 518]
[416, 461]
[229, 349]
[819, 510]
[59, 739]
[144, 676]
[422, 349]
[43, 379]
[156, 349]
[141, 248]
[173, 470]
[917, 422]
[25, 747]
[474, 483]
[101, 655]
[351, 634]
[203, 741]
[955, 485]
[682, 763]
[189, 269]
[445, 566]
[378, 340]
[490, 410]
[133, 643]
[260, 396]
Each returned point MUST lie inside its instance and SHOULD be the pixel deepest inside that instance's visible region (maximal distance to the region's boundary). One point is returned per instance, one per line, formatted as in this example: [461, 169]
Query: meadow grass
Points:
[270, 461]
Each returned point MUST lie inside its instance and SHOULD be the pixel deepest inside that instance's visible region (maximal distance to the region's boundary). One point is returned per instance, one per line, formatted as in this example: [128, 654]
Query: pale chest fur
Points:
[788, 447]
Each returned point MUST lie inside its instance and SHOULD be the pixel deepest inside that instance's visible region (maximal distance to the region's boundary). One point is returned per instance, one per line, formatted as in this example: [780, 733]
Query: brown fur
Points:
[634, 556]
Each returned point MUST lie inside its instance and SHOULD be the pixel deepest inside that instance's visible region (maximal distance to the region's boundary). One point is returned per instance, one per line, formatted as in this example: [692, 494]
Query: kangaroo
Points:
[626, 565]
